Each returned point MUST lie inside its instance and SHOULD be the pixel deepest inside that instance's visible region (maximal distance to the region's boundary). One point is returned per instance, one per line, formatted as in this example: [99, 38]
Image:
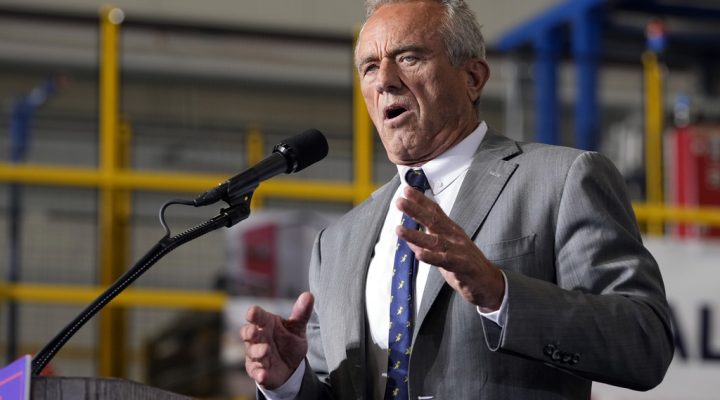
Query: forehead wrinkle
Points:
[381, 19]
[393, 52]
[406, 48]
[366, 60]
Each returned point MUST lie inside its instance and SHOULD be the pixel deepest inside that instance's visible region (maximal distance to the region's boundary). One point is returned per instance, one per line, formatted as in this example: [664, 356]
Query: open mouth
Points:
[394, 111]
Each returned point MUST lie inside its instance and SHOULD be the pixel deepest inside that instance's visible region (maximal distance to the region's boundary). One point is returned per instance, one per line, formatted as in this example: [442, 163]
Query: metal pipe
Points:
[653, 136]
[114, 204]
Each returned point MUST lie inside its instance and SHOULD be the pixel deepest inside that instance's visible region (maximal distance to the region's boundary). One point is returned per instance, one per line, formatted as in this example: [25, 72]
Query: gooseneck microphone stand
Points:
[291, 155]
[238, 210]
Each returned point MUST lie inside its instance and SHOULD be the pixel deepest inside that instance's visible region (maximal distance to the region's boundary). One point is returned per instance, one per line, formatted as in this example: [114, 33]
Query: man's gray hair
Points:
[459, 28]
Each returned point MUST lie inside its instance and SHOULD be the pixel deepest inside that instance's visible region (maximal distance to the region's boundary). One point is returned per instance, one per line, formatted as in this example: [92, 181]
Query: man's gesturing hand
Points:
[445, 245]
[274, 347]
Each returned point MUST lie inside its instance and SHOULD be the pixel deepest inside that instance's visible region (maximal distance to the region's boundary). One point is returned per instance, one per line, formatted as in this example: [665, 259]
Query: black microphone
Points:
[290, 155]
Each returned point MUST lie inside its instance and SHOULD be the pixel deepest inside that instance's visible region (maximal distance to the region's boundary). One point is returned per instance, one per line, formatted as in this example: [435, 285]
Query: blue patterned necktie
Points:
[401, 304]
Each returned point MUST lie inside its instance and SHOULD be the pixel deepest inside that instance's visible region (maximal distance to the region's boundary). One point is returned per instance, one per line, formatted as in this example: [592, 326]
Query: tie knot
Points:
[417, 179]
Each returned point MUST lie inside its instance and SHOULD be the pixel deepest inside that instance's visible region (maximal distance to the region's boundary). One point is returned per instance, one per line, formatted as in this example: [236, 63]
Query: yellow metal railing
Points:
[82, 295]
[171, 182]
[664, 213]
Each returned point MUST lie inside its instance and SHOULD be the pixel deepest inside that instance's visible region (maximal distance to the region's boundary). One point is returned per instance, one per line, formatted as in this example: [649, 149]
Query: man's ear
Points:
[477, 74]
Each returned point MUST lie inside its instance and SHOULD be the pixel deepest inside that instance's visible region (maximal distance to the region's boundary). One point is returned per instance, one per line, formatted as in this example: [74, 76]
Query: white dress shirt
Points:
[445, 175]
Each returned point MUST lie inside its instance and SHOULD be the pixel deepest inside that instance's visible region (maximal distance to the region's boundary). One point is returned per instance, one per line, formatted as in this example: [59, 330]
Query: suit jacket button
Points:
[575, 359]
[556, 355]
[566, 357]
[548, 350]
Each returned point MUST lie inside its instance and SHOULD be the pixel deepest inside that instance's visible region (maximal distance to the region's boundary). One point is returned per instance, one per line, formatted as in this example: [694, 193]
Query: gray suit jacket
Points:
[586, 299]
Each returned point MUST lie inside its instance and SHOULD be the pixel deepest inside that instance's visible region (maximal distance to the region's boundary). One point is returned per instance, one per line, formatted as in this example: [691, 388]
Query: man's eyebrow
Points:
[366, 60]
[411, 48]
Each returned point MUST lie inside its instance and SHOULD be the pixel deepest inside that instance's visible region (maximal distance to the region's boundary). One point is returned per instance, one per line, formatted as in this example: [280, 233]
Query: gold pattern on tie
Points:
[401, 304]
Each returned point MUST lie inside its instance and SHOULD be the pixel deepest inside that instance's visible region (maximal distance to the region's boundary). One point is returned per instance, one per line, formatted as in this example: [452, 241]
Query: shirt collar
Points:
[448, 166]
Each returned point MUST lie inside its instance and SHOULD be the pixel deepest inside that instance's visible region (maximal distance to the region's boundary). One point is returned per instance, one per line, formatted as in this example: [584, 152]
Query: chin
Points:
[403, 157]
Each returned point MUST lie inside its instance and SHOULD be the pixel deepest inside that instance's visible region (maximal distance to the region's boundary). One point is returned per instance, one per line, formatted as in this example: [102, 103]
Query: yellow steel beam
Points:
[114, 205]
[308, 190]
[55, 175]
[362, 144]
[701, 215]
[172, 182]
[146, 298]
[254, 152]
[84, 353]
[653, 135]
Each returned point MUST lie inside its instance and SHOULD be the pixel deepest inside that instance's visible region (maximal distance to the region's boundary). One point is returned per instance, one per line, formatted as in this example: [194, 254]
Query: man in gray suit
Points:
[530, 279]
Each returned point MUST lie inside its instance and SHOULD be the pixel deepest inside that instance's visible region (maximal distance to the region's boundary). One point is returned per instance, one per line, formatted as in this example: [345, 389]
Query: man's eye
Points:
[408, 59]
[369, 68]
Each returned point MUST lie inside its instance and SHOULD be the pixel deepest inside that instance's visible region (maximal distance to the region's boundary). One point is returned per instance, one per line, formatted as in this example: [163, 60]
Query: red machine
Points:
[693, 165]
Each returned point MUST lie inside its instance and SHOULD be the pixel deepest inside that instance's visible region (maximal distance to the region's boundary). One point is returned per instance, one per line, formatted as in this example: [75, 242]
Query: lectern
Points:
[65, 388]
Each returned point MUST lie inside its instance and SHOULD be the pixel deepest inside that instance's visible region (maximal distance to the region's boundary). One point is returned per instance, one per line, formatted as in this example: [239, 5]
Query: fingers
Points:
[442, 237]
[439, 258]
[300, 314]
[425, 211]
[302, 309]
[275, 347]
[259, 352]
[258, 368]
[259, 328]
[260, 320]
[263, 325]
[258, 345]
[257, 316]
[250, 333]
[430, 241]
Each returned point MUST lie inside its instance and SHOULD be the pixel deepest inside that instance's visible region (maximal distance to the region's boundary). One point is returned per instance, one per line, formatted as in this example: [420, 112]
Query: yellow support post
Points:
[362, 143]
[653, 136]
[254, 153]
[114, 210]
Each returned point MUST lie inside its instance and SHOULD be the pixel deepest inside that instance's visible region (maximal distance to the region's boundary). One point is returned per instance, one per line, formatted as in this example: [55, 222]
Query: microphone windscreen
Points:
[308, 148]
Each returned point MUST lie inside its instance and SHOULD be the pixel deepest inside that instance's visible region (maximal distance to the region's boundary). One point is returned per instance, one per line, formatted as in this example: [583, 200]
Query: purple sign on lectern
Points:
[15, 380]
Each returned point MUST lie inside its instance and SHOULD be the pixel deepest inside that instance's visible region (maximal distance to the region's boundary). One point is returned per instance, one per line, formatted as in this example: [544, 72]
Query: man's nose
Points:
[388, 78]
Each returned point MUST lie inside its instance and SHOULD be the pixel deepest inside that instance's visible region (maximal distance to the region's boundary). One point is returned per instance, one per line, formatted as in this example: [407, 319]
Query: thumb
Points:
[301, 311]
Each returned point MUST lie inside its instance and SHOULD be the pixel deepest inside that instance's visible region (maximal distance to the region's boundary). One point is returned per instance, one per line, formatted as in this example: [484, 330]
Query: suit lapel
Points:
[483, 183]
[359, 251]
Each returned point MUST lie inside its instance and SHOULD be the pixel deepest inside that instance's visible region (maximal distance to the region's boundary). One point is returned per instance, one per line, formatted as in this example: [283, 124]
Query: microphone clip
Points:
[238, 211]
